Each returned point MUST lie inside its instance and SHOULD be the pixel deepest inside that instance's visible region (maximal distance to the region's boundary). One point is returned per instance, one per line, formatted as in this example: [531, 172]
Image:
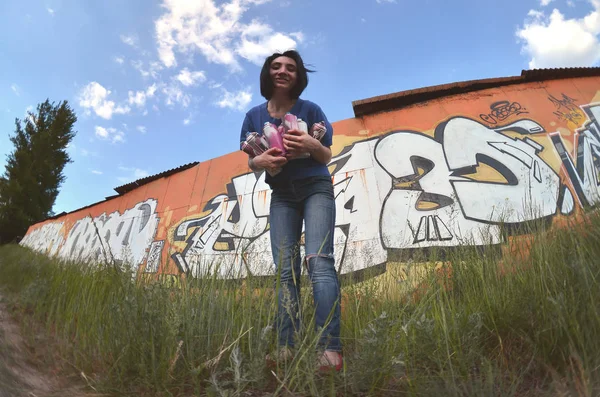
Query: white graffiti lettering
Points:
[358, 200]
[47, 239]
[585, 175]
[402, 190]
[530, 189]
[421, 208]
[229, 240]
[120, 237]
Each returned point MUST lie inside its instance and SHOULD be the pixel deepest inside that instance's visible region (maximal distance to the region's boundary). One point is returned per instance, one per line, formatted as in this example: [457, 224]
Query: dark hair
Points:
[266, 84]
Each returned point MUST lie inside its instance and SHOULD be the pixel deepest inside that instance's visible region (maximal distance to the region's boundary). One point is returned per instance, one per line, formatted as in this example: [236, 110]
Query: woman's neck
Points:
[279, 105]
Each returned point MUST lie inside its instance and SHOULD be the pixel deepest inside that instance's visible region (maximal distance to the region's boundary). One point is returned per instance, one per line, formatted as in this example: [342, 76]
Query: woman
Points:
[302, 190]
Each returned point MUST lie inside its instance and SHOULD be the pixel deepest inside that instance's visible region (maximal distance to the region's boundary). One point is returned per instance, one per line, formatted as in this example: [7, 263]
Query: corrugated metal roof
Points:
[137, 183]
[405, 98]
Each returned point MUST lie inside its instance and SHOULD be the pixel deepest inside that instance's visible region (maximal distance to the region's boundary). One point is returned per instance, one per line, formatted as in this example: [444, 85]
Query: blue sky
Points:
[160, 83]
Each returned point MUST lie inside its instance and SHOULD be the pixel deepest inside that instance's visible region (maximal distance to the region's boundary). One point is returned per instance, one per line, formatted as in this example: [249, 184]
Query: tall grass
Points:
[470, 322]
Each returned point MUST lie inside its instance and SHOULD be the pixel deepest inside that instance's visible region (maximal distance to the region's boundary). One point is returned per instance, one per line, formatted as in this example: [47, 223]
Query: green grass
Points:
[526, 328]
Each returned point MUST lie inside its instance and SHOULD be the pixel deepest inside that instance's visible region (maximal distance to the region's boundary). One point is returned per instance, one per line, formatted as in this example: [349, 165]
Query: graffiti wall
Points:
[450, 172]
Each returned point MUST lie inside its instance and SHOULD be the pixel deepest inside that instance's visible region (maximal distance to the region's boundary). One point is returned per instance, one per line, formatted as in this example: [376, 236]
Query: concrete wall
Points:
[438, 174]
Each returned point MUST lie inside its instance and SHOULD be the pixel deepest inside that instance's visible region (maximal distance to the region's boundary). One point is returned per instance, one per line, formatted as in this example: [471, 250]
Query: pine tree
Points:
[34, 170]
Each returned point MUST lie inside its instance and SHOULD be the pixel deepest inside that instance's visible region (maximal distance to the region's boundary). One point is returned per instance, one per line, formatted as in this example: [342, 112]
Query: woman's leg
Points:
[319, 217]
[285, 231]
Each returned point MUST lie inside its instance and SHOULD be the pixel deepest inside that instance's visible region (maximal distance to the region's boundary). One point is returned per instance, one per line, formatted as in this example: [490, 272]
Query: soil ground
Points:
[21, 375]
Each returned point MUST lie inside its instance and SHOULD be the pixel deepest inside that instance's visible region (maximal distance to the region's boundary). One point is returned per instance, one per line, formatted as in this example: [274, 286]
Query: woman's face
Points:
[283, 73]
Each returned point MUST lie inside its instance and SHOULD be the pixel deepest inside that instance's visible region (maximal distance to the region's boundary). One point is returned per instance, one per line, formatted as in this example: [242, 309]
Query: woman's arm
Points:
[321, 153]
[252, 165]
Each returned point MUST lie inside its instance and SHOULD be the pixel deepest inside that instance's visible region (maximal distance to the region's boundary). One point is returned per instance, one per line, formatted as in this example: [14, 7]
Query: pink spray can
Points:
[273, 136]
[290, 122]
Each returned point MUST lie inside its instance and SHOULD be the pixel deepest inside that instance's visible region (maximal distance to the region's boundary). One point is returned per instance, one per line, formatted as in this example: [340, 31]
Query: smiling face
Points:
[283, 73]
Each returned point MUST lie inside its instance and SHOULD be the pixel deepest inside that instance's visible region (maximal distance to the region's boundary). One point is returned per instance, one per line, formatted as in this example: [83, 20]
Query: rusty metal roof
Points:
[405, 98]
[137, 183]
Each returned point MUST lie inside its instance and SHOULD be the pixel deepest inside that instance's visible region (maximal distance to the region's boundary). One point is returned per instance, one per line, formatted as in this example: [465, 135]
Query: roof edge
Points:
[402, 99]
[142, 181]
[123, 189]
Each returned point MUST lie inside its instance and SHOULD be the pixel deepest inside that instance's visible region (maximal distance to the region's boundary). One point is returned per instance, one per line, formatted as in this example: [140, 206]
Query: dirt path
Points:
[19, 376]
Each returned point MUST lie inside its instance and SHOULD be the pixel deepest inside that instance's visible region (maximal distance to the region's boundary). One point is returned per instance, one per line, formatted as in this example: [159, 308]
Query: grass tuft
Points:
[472, 322]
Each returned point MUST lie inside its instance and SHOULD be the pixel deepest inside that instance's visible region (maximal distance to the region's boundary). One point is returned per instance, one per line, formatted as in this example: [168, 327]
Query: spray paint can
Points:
[318, 130]
[302, 126]
[273, 136]
[289, 122]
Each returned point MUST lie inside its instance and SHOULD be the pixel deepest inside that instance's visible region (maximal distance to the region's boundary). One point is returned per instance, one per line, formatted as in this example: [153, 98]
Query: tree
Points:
[34, 169]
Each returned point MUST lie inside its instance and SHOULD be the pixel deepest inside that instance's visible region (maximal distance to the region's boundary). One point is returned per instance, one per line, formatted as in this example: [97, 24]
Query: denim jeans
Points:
[311, 200]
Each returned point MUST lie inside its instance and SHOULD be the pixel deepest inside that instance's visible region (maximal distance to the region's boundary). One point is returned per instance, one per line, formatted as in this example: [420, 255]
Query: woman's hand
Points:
[297, 142]
[270, 160]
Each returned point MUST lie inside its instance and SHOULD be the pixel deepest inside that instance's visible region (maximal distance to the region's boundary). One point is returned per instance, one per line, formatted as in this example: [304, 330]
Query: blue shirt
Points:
[294, 169]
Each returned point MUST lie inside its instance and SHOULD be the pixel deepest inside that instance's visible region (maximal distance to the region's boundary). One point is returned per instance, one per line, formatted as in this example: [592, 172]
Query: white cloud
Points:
[187, 121]
[570, 3]
[259, 41]
[175, 94]
[96, 172]
[536, 14]
[15, 88]
[95, 97]
[139, 98]
[544, 3]
[130, 40]
[235, 100]
[119, 60]
[188, 78]
[298, 36]
[50, 11]
[150, 91]
[109, 134]
[215, 31]
[558, 42]
[134, 174]
[152, 70]
[101, 132]
[141, 129]
[86, 153]
[385, 1]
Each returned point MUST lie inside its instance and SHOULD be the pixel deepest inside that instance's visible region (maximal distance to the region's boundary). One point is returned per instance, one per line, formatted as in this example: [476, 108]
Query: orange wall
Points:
[438, 174]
